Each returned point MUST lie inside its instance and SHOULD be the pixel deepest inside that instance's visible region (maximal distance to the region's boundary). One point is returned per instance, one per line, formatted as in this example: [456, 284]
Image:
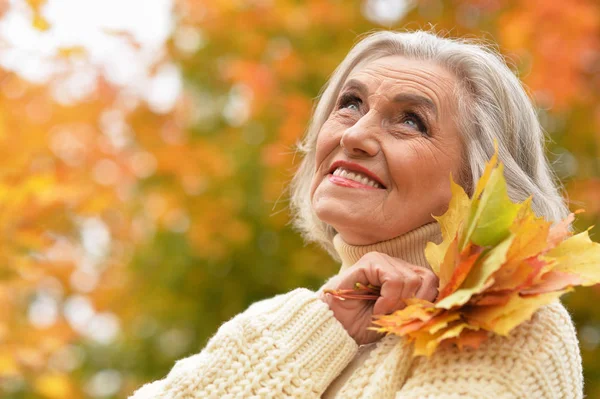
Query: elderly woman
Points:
[401, 112]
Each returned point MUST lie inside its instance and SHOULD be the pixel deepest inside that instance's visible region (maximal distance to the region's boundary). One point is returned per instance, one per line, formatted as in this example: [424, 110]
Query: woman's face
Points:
[394, 117]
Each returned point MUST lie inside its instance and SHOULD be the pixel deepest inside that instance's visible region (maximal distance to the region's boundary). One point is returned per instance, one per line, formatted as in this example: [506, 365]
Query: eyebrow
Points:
[416, 99]
[402, 97]
[356, 84]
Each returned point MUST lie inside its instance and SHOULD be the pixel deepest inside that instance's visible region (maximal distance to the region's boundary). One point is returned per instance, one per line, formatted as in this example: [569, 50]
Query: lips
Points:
[361, 178]
[354, 167]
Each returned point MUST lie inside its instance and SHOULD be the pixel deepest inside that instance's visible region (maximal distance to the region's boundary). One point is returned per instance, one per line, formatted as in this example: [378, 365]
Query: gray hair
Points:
[492, 104]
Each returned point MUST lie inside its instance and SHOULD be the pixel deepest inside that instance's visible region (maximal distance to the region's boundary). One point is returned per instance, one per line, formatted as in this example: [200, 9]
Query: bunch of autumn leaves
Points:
[497, 264]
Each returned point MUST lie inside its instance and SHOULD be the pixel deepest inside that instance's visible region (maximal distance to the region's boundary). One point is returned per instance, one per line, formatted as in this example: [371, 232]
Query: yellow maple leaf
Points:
[530, 233]
[498, 263]
[450, 223]
[502, 319]
[579, 255]
[426, 343]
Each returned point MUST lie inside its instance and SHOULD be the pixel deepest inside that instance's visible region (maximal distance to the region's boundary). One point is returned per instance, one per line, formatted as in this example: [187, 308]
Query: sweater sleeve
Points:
[290, 345]
[539, 359]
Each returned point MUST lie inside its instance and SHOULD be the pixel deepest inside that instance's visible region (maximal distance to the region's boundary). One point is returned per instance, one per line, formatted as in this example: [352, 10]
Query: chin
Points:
[356, 230]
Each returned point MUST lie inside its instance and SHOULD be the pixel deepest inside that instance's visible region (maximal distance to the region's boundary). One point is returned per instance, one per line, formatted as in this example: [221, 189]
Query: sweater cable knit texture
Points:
[291, 346]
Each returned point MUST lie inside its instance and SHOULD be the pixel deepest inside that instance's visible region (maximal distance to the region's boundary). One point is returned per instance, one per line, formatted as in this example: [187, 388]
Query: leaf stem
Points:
[360, 291]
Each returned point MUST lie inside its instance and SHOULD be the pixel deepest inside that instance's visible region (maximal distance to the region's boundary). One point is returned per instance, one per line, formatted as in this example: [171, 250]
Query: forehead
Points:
[401, 73]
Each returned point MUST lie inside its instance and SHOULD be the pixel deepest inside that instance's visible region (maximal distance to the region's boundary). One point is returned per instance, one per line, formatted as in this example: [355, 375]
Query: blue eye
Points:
[350, 101]
[414, 121]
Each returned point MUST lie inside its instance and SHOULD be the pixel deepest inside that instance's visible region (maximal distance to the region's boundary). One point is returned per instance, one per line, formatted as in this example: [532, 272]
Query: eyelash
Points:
[419, 121]
[348, 99]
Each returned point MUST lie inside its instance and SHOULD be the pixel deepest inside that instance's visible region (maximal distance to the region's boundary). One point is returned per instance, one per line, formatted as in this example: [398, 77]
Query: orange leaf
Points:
[502, 319]
[466, 261]
[412, 312]
[441, 321]
[531, 233]
[515, 276]
[495, 298]
[468, 338]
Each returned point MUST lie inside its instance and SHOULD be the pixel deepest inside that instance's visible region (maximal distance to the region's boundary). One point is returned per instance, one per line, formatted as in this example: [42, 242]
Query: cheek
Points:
[443, 193]
[314, 184]
[325, 145]
[443, 199]
[327, 140]
[422, 171]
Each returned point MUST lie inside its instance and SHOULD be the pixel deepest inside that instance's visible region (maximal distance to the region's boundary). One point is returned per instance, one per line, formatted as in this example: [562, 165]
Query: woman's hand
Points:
[398, 280]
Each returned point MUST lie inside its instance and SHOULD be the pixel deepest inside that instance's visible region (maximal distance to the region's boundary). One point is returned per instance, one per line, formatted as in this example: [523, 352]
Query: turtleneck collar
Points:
[409, 246]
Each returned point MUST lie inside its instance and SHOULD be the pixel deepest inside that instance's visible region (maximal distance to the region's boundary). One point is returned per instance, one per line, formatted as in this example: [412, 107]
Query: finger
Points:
[400, 284]
[429, 284]
[390, 298]
[418, 280]
[413, 282]
[427, 292]
[357, 274]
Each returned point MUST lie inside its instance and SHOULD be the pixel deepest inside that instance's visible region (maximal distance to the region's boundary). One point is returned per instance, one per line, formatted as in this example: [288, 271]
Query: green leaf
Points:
[492, 215]
[478, 276]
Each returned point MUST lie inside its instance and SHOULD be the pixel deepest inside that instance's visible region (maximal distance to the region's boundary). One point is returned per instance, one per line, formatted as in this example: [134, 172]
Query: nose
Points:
[360, 138]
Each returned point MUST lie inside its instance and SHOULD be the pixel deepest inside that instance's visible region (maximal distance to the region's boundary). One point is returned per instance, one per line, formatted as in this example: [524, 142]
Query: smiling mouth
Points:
[342, 174]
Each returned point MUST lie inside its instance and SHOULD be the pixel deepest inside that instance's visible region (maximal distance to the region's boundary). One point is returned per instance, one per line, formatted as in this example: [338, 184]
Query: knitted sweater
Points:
[291, 346]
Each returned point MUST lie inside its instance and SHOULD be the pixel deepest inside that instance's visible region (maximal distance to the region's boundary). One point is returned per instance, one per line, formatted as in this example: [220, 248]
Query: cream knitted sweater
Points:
[291, 346]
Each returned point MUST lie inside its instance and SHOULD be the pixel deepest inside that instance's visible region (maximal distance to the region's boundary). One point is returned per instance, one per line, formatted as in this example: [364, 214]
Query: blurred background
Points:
[146, 146]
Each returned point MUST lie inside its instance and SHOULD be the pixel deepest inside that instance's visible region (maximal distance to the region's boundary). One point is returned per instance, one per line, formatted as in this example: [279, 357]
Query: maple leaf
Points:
[467, 259]
[450, 223]
[475, 281]
[498, 263]
[493, 213]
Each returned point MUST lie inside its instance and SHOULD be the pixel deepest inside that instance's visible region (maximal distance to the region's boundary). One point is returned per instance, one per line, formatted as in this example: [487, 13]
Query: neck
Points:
[409, 246]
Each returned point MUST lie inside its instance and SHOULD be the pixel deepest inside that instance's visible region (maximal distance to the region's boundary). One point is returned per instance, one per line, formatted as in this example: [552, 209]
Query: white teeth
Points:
[356, 177]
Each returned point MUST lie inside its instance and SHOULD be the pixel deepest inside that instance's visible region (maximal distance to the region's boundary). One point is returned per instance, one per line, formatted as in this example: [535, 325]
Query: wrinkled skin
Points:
[396, 117]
